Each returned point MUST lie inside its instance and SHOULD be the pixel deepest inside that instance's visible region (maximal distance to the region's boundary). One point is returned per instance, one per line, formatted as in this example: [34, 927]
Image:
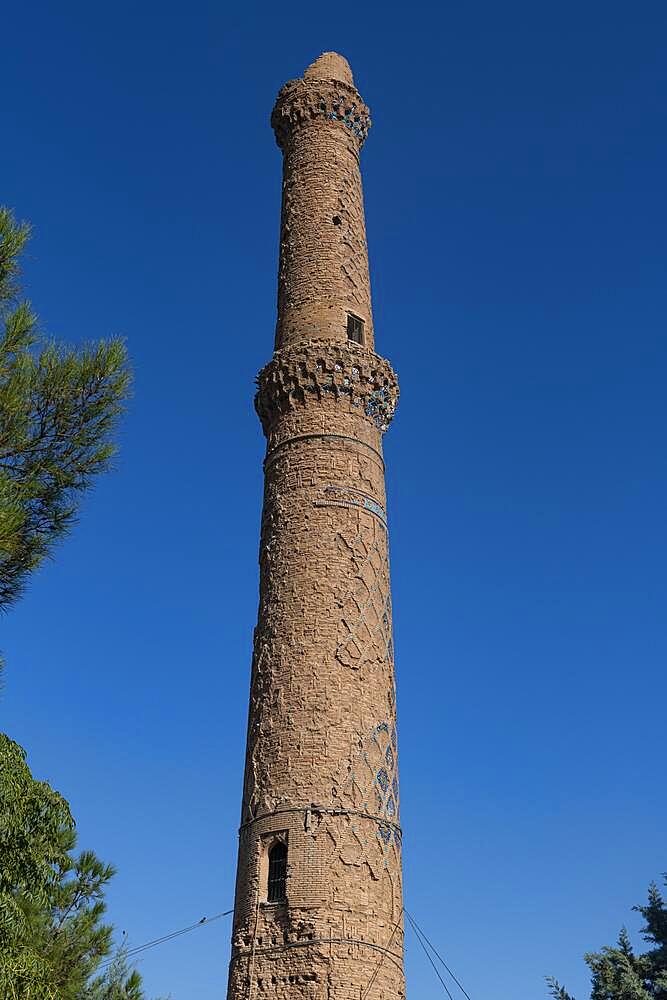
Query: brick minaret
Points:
[318, 912]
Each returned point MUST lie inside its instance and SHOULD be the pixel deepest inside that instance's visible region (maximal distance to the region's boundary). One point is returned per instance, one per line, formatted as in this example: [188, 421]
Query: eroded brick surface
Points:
[321, 764]
[320, 125]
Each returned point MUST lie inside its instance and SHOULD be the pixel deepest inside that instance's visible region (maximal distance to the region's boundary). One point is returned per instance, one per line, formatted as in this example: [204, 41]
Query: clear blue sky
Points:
[515, 193]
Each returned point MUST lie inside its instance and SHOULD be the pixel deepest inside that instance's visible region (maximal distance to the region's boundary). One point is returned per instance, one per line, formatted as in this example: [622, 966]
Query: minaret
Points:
[319, 911]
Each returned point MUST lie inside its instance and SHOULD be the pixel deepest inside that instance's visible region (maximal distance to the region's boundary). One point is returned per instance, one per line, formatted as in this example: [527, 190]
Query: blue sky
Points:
[515, 195]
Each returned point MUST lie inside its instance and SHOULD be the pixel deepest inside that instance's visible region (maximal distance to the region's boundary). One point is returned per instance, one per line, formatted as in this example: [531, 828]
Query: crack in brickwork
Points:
[321, 761]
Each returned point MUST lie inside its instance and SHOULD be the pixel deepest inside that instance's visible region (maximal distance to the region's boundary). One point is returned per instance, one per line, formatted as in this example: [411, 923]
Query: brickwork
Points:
[321, 765]
[320, 125]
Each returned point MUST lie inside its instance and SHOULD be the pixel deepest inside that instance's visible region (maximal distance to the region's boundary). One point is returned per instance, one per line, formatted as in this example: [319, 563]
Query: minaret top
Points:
[330, 66]
[326, 91]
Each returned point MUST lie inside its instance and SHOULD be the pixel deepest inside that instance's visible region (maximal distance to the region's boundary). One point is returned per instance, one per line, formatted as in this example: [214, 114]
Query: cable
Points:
[251, 960]
[421, 937]
[174, 934]
[377, 967]
[435, 969]
[131, 952]
[438, 956]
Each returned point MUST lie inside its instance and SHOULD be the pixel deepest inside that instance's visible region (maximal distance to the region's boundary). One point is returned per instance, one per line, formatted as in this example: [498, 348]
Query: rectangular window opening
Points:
[355, 329]
[277, 887]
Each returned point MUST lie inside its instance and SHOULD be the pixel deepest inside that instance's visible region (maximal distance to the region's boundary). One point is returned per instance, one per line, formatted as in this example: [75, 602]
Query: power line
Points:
[421, 937]
[132, 952]
[437, 954]
[435, 968]
[377, 967]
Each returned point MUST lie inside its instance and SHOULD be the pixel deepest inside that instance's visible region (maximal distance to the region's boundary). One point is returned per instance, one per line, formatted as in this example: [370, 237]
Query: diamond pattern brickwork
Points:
[321, 773]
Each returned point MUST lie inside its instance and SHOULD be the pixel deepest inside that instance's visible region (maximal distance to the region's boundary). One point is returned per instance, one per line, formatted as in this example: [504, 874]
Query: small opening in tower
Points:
[355, 329]
[277, 888]
[337, 221]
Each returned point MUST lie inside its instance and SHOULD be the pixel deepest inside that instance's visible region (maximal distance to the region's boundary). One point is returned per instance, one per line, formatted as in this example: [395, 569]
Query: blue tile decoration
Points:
[386, 775]
[343, 496]
[339, 110]
[384, 833]
[376, 408]
[372, 784]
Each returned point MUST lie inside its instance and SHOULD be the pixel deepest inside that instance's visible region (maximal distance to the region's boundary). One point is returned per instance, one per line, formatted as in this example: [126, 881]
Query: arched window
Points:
[277, 873]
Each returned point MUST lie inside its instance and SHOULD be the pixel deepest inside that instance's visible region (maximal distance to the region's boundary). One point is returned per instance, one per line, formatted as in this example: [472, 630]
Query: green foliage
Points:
[32, 819]
[119, 982]
[620, 974]
[68, 932]
[557, 991]
[58, 409]
[52, 935]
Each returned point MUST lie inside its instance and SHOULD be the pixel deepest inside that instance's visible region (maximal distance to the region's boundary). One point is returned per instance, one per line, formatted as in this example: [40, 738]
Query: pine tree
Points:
[53, 938]
[620, 974]
[118, 982]
[58, 409]
[32, 819]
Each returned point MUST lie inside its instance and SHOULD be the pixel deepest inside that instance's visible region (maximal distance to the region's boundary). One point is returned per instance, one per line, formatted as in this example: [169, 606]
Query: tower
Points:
[318, 910]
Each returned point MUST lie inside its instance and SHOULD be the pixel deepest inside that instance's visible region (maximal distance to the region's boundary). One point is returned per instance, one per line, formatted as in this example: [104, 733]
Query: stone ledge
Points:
[301, 101]
[314, 369]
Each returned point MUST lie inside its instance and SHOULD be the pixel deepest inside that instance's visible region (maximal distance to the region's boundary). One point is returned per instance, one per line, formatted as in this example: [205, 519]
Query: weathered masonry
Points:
[318, 911]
